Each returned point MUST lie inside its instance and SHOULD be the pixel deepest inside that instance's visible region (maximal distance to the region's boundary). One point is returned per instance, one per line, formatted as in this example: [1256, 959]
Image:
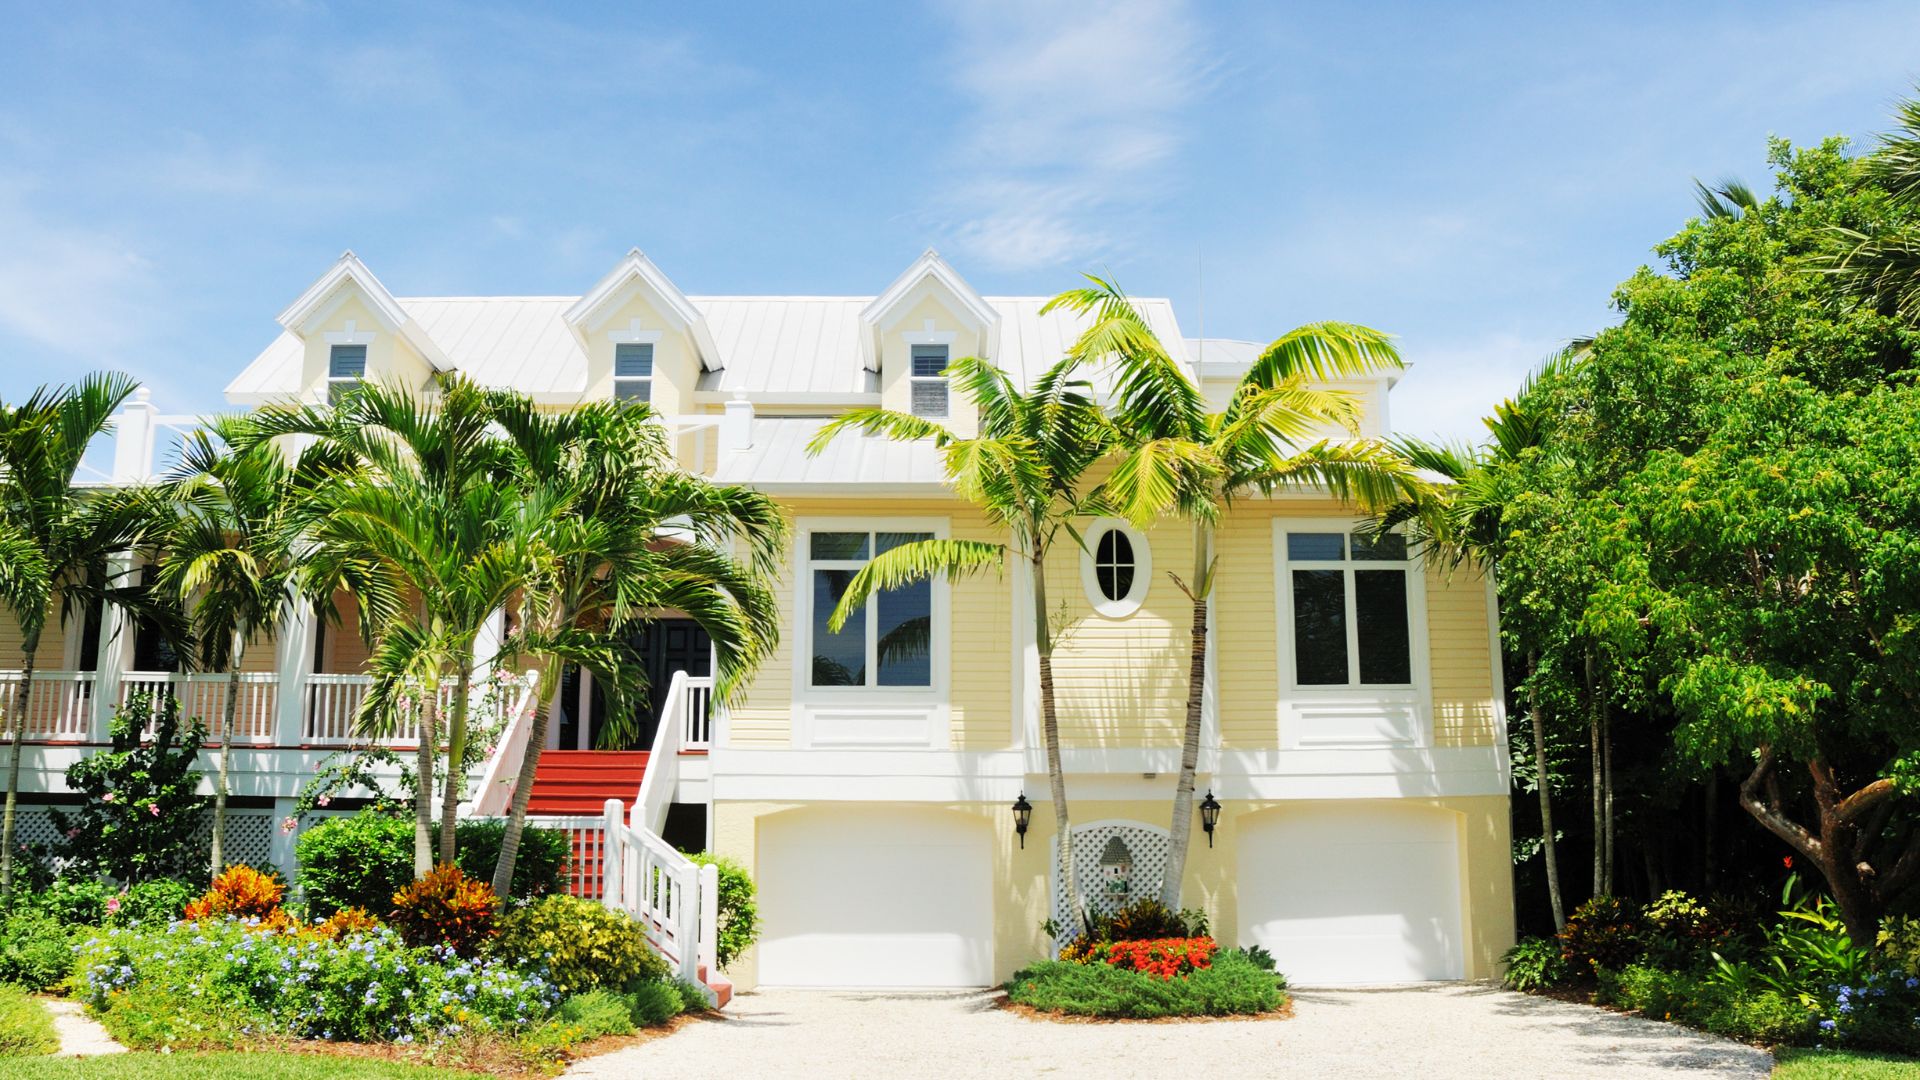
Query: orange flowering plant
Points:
[242, 892]
[1163, 958]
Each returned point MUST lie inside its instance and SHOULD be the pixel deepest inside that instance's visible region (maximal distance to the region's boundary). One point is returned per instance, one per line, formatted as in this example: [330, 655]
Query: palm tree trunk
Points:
[1050, 736]
[1549, 847]
[219, 854]
[1606, 783]
[523, 786]
[17, 732]
[423, 789]
[1596, 783]
[1182, 825]
[456, 750]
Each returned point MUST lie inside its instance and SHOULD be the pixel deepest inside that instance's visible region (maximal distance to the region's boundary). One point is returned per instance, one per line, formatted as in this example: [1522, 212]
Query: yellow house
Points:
[1354, 725]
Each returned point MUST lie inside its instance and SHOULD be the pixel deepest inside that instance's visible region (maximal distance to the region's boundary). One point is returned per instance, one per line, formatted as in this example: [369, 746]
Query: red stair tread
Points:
[579, 782]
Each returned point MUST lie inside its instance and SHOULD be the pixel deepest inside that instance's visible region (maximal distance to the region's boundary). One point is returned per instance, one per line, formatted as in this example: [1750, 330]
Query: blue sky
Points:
[1472, 178]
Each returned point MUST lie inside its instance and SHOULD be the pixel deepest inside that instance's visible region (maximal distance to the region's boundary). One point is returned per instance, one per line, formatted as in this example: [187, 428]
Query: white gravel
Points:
[1446, 1031]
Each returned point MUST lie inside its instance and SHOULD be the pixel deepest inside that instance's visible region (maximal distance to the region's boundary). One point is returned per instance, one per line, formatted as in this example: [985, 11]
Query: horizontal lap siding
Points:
[1458, 640]
[1122, 683]
[1245, 630]
[13, 656]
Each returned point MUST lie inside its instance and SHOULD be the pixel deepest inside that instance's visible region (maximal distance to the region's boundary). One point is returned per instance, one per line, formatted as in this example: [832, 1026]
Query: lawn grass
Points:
[245, 1066]
[26, 1027]
[1798, 1064]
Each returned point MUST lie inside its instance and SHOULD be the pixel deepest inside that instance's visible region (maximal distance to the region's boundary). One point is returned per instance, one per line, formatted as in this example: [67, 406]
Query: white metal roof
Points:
[779, 459]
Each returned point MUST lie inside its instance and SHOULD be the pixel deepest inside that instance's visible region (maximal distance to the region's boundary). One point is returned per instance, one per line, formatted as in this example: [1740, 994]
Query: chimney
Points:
[133, 439]
[736, 427]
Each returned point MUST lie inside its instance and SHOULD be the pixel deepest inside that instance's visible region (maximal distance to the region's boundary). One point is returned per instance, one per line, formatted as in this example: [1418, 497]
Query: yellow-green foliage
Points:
[584, 946]
[25, 1027]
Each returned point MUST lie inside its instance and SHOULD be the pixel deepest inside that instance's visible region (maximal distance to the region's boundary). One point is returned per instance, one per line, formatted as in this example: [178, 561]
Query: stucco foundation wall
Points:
[1022, 876]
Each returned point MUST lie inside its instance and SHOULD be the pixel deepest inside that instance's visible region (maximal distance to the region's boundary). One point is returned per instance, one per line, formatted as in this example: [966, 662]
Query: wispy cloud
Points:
[66, 289]
[1075, 111]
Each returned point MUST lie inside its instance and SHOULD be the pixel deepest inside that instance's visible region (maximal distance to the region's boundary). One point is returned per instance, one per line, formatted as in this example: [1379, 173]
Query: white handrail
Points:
[662, 889]
[203, 697]
[494, 794]
[60, 708]
[662, 777]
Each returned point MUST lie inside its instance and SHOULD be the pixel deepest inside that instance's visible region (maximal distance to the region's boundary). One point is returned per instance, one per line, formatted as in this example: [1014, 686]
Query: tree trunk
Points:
[17, 732]
[423, 789]
[1050, 736]
[218, 856]
[1181, 836]
[456, 750]
[523, 783]
[1596, 784]
[1710, 827]
[1859, 890]
[1606, 772]
[1549, 847]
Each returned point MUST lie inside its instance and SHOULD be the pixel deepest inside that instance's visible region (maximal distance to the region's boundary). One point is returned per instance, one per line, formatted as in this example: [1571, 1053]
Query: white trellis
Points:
[1116, 862]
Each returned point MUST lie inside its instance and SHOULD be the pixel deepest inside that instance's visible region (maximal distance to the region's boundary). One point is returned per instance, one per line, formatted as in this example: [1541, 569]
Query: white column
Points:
[613, 861]
[116, 649]
[736, 425]
[486, 645]
[293, 659]
[133, 431]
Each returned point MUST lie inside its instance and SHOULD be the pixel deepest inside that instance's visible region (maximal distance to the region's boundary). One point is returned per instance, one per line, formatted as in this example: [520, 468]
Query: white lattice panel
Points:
[1116, 863]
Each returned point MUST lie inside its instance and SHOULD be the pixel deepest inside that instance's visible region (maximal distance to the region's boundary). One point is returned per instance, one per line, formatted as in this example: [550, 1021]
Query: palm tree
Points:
[1882, 267]
[422, 510]
[1179, 457]
[226, 561]
[604, 562]
[1026, 471]
[54, 541]
[1464, 522]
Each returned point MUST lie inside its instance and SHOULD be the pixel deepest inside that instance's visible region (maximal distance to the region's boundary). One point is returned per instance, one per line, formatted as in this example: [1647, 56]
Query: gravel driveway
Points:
[1437, 1032]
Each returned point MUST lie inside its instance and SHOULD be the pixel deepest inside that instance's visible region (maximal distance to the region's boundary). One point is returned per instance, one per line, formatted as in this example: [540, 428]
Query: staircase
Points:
[579, 782]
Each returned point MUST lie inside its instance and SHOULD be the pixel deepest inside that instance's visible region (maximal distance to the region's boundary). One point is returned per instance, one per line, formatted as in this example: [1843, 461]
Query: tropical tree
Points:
[226, 560]
[610, 557]
[55, 539]
[1879, 262]
[1027, 472]
[1179, 456]
[420, 515]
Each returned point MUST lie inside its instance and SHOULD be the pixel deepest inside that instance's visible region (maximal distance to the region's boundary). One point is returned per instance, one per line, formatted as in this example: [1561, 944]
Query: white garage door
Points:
[875, 896]
[1345, 893]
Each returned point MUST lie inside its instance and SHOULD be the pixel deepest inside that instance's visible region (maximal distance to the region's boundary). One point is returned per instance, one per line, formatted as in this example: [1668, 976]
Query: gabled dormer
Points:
[644, 340]
[350, 327]
[926, 319]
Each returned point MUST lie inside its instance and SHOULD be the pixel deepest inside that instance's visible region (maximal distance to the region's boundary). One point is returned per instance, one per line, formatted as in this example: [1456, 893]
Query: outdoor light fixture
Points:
[1022, 813]
[1209, 815]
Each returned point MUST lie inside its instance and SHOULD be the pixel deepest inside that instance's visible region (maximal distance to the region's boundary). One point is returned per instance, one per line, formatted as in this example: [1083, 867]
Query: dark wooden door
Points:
[669, 645]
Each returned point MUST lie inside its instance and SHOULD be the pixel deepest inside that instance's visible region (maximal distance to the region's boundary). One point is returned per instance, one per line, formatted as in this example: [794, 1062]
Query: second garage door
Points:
[875, 896]
[1353, 892]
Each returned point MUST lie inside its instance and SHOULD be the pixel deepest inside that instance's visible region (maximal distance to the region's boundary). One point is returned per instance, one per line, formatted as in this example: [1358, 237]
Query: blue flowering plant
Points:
[365, 986]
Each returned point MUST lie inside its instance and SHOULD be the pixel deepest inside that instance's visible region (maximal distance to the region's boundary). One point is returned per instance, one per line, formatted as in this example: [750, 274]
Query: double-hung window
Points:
[886, 642]
[346, 366]
[1351, 623]
[928, 381]
[633, 372]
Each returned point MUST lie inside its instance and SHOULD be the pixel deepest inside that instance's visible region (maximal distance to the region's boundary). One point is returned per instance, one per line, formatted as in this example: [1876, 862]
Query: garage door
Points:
[1345, 893]
[875, 897]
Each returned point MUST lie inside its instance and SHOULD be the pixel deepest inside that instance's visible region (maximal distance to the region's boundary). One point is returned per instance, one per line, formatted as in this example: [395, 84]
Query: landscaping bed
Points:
[1146, 963]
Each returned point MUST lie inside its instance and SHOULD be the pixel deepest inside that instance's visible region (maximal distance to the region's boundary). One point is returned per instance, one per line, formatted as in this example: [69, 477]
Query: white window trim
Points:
[1310, 714]
[1142, 568]
[633, 335]
[349, 336]
[869, 716]
[930, 337]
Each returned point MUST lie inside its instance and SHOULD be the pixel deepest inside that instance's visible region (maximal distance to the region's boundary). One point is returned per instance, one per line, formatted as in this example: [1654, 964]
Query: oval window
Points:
[1115, 568]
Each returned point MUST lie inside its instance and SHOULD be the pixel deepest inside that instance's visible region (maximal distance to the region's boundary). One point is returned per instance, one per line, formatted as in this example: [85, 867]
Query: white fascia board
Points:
[584, 316]
[347, 269]
[931, 265]
[875, 490]
[791, 397]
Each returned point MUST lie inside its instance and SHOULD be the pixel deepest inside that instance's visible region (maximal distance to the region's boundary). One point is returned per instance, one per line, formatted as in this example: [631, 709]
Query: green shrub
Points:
[738, 915]
[1536, 964]
[1234, 985]
[35, 950]
[361, 860]
[1259, 957]
[142, 807]
[1751, 1013]
[158, 901]
[1678, 930]
[596, 1013]
[25, 1027]
[693, 997]
[655, 1003]
[1604, 932]
[1900, 942]
[214, 982]
[74, 901]
[582, 945]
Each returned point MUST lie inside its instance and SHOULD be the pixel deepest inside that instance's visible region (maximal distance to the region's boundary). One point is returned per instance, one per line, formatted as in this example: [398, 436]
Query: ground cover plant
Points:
[1232, 984]
[255, 1065]
[25, 1027]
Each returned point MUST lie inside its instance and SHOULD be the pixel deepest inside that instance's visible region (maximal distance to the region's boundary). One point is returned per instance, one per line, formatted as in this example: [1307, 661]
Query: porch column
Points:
[116, 651]
[293, 659]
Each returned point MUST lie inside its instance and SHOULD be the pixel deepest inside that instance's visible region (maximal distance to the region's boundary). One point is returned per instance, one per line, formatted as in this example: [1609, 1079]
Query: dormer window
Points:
[633, 372]
[346, 366]
[928, 381]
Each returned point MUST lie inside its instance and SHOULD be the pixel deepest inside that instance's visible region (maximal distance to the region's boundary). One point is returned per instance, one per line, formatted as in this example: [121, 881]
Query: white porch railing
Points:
[662, 778]
[696, 713]
[203, 697]
[59, 709]
[675, 900]
[332, 702]
[493, 796]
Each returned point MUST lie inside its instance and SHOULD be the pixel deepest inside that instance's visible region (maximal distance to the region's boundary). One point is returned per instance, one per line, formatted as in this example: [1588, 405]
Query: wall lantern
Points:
[1022, 814]
[1209, 815]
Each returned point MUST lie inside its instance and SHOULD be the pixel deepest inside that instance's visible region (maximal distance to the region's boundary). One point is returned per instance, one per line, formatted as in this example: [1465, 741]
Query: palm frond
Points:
[916, 561]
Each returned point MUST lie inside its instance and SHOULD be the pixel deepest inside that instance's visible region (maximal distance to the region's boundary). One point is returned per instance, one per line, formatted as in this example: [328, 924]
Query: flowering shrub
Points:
[582, 945]
[142, 803]
[346, 921]
[446, 908]
[1165, 958]
[365, 986]
[242, 892]
[1881, 1010]
[1142, 920]
[1230, 983]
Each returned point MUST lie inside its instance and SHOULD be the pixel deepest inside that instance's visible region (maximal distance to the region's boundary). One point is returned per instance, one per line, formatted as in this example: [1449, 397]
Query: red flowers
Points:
[1163, 958]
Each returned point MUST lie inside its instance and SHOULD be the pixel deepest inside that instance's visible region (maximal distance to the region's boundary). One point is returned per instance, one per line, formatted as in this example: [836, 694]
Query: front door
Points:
[665, 646]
